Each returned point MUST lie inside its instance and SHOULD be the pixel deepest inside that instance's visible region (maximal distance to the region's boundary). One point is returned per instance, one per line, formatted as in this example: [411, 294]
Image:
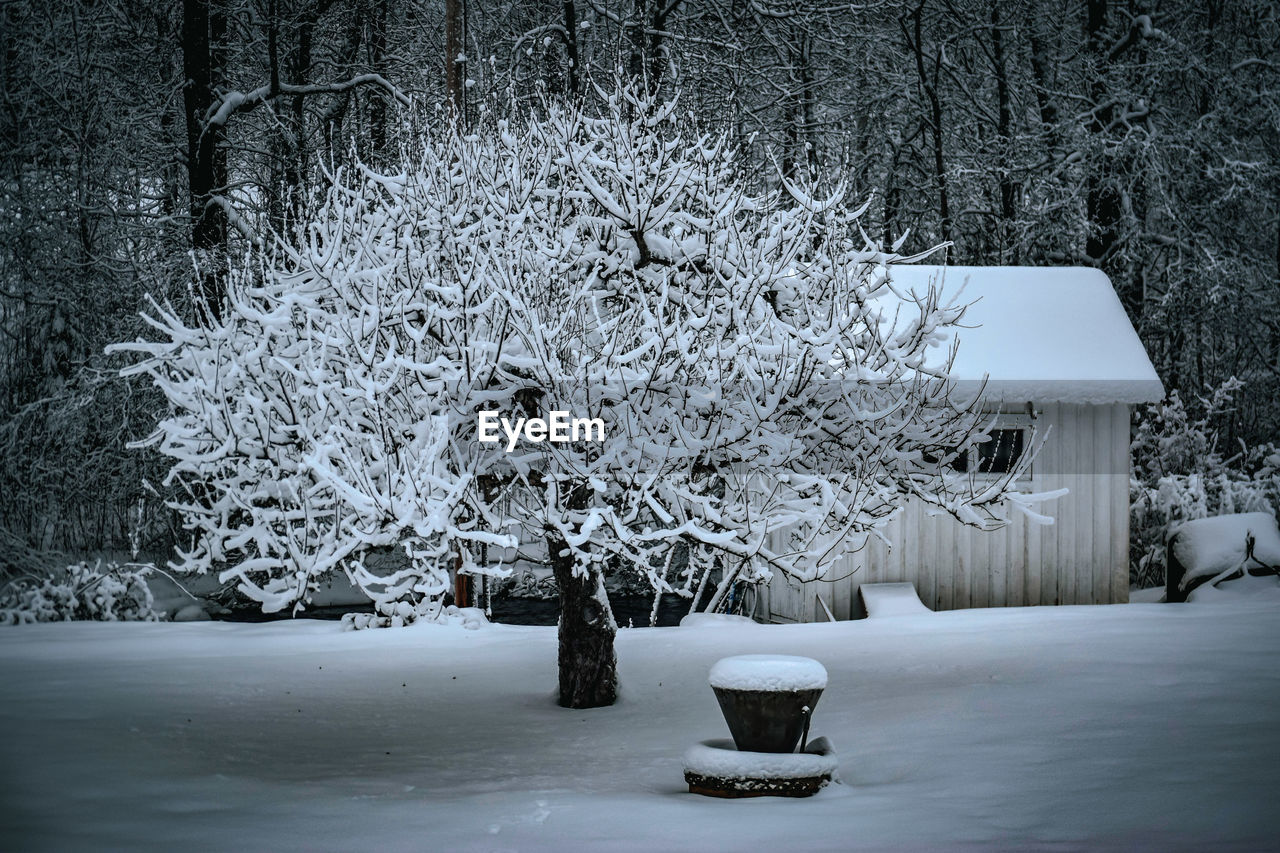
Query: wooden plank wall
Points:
[1081, 559]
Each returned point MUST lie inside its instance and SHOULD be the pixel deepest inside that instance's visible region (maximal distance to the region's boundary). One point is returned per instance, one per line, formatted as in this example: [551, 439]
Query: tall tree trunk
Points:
[657, 50]
[453, 70]
[295, 128]
[1004, 127]
[571, 46]
[1102, 200]
[377, 58]
[635, 35]
[204, 31]
[806, 117]
[332, 120]
[892, 193]
[647, 48]
[1040, 72]
[930, 89]
[587, 662]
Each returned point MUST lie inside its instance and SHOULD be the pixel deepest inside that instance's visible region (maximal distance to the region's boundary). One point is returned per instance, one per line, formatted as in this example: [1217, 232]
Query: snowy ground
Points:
[1136, 727]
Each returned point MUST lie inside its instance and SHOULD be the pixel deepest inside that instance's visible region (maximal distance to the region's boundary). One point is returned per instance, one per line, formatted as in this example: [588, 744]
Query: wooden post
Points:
[461, 584]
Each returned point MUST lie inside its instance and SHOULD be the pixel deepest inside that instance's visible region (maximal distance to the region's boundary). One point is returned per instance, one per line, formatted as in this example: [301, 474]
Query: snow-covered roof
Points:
[1051, 334]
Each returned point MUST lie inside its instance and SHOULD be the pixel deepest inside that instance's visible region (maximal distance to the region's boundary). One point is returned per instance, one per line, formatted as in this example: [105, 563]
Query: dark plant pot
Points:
[766, 720]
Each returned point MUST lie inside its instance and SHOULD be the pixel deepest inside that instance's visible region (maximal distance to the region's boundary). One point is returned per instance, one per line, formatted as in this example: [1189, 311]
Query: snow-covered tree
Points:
[767, 400]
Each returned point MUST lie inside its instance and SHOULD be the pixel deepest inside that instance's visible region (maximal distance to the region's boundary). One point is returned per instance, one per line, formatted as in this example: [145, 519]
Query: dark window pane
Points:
[1000, 453]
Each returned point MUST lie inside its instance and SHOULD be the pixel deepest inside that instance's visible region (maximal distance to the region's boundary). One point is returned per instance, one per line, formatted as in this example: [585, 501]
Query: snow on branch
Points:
[239, 102]
[1140, 27]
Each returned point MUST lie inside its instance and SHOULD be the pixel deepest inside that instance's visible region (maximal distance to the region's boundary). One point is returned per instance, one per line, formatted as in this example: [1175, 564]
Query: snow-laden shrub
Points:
[396, 614]
[1180, 474]
[105, 593]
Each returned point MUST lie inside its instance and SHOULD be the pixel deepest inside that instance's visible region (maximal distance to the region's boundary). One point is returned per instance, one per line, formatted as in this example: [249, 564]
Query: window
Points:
[999, 454]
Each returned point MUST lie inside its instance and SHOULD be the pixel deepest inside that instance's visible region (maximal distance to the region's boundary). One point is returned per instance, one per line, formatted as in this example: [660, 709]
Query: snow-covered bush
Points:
[397, 614]
[1180, 474]
[104, 593]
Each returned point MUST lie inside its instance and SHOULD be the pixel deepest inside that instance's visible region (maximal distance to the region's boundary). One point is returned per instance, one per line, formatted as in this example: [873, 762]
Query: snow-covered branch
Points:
[240, 102]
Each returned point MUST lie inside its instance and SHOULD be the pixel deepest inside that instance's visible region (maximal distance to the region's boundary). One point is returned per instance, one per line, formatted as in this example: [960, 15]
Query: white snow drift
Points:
[1131, 727]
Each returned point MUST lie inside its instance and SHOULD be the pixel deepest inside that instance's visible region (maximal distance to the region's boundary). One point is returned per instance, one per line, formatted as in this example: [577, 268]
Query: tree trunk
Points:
[453, 41]
[571, 46]
[929, 87]
[588, 664]
[377, 58]
[294, 126]
[647, 54]
[805, 116]
[657, 53]
[1041, 73]
[1102, 201]
[1004, 127]
[204, 29]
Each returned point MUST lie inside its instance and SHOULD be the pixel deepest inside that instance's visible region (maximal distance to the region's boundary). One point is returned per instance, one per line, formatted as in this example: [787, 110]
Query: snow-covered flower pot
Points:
[714, 768]
[767, 700]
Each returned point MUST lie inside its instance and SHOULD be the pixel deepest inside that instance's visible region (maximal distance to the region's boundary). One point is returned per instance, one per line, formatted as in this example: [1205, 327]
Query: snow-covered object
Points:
[1265, 588]
[721, 759]
[891, 599]
[714, 620]
[191, 613]
[1211, 546]
[768, 672]
[1050, 334]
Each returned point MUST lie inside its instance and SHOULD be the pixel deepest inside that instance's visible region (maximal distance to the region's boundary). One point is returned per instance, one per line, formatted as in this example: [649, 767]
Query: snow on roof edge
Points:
[1078, 391]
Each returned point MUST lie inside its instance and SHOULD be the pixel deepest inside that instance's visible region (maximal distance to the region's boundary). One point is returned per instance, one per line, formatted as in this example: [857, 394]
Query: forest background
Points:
[145, 147]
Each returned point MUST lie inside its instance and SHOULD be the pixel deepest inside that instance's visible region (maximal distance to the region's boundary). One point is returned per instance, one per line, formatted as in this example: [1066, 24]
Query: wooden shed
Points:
[1058, 352]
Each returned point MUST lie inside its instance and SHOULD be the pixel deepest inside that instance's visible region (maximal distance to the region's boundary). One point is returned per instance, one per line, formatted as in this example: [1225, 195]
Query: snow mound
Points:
[768, 672]
[891, 599]
[719, 758]
[471, 618]
[1243, 588]
[713, 620]
[191, 613]
[1211, 546]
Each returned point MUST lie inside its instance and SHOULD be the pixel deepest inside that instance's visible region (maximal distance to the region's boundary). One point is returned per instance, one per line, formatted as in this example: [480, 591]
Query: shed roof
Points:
[1051, 334]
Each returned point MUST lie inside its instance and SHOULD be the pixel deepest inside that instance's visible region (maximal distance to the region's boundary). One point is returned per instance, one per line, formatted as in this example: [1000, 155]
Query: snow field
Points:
[1130, 727]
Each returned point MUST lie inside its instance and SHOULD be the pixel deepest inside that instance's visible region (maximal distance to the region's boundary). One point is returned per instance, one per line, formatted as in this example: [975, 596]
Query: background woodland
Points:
[145, 147]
